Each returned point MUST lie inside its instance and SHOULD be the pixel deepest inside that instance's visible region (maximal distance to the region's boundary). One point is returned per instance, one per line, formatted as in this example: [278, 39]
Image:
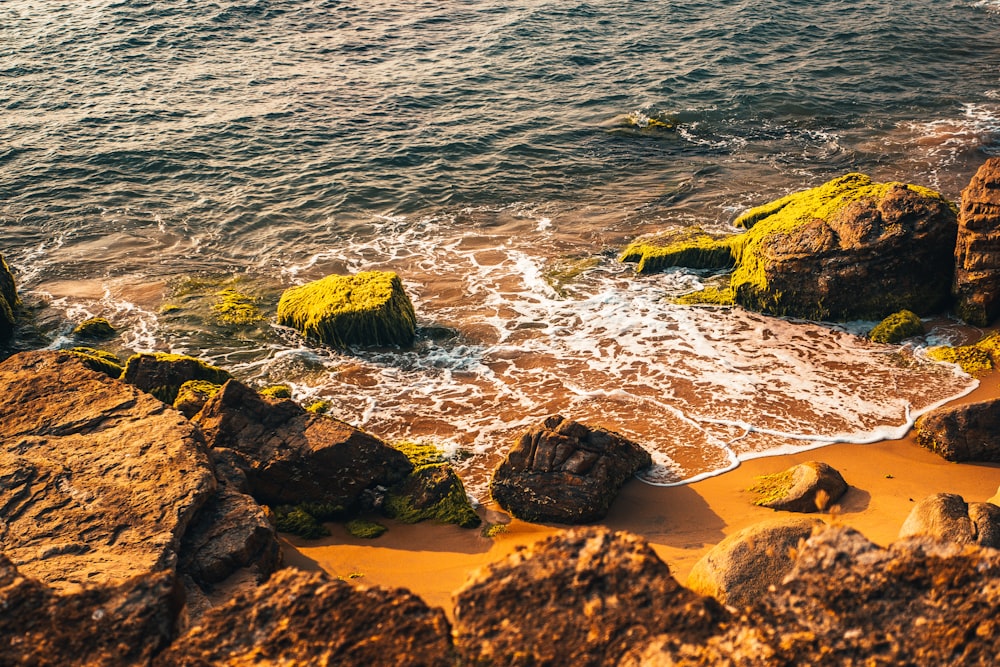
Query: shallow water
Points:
[497, 155]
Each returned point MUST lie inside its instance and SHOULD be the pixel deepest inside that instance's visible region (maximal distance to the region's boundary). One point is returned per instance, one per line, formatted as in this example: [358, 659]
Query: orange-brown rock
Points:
[977, 250]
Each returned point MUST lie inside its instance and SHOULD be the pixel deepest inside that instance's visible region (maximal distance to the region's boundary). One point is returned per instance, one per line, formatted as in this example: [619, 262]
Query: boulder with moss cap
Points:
[368, 308]
[806, 487]
[162, 374]
[848, 249]
[9, 301]
[897, 328]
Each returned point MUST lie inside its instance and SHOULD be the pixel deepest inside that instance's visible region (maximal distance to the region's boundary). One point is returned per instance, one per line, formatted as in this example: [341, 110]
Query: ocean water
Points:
[497, 155]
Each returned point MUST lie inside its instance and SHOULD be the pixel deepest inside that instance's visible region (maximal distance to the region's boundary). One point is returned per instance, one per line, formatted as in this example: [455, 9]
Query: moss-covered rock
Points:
[848, 249]
[162, 374]
[99, 360]
[365, 529]
[710, 296]
[431, 491]
[276, 391]
[320, 407]
[975, 359]
[9, 301]
[897, 327]
[297, 521]
[192, 396]
[369, 308]
[235, 308]
[563, 272]
[95, 328]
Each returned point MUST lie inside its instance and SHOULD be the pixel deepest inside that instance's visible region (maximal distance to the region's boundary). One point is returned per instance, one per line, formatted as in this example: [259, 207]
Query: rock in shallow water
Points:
[8, 301]
[977, 250]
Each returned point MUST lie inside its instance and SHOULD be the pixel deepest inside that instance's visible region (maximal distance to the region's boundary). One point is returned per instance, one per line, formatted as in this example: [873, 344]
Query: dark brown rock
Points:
[582, 597]
[122, 624]
[309, 619]
[849, 602]
[967, 432]
[977, 250]
[806, 487]
[162, 375]
[9, 301]
[98, 480]
[947, 517]
[745, 565]
[295, 456]
[564, 472]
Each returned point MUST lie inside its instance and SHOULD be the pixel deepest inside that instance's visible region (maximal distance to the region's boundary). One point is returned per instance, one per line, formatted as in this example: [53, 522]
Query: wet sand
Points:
[682, 523]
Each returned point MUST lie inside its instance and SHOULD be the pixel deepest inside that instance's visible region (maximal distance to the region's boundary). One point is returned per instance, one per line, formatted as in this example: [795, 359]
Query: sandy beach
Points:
[682, 523]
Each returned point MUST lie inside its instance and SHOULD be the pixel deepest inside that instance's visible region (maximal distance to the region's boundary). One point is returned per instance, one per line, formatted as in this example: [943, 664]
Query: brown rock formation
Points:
[295, 456]
[742, 567]
[162, 375]
[8, 301]
[564, 472]
[300, 618]
[977, 250]
[98, 480]
[947, 517]
[582, 597]
[967, 432]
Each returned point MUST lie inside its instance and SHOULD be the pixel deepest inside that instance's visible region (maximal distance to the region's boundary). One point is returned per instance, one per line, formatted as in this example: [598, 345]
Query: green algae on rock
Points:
[99, 360]
[297, 521]
[368, 308]
[431, 491]
[563, 272]
[95, 328]
[9, 301]
[897, 327]
[975, 359]
[365, 529]
[192, 396]
[162, 374]
[848, 249]
[236, 308]
[710, 296]
[276, 391]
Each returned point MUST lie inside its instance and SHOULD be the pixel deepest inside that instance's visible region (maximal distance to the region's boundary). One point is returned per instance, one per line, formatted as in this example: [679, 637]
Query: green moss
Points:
[96, 328]
[897, 327]
[420, 453]
[320, 407]
[162, 374]
[236, 308]
[494, 530]
[563, 272]
[276, 391]
[365, 529]
[413, 501]
[99, 360]
[369, 308]
[710, 296]
[168, 308]
[193, 394]
[975, 359]
[770, 488]
[690, 247]
[296, 521]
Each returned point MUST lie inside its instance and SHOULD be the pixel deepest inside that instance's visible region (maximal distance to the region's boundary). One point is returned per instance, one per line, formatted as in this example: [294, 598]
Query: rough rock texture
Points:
[193, 395]
[947, 517]
[582, 597]
[431, 491]
[897, 327]
[742, 567]
[300, 618]
[967, 432]
[8, 301]
[295, 456]
[849, 602]
[98, 480]
[122, 624]
[806, 487]
[977, 250]
[163, 374]
[229, 533]
[995, 500]
[563, 471]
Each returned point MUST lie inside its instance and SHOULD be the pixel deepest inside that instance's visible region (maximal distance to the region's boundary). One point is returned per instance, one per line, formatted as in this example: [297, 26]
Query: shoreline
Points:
[681, 523]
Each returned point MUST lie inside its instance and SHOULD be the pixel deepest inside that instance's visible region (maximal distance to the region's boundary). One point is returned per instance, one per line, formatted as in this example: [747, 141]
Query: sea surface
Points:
[497, 155]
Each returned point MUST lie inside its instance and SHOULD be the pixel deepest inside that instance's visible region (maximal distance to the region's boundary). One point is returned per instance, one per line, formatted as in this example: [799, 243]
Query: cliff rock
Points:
[295, 456]
[563, 471]
[967, 432]
[977, 250]
[309, 619]
[582, 597]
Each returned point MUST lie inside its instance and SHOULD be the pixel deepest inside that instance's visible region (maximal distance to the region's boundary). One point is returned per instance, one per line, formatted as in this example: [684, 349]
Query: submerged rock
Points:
[848, 249]
[807, 487]
[742, 567]
[977, 250]
[369, 308]
[565, 472]
[309, 619]
[582, 597]
[98, 480]
[967, 432]
[9, 301]
[96, 328]
[162, 374]
[947, 517]
[897, 327]
[294, 456]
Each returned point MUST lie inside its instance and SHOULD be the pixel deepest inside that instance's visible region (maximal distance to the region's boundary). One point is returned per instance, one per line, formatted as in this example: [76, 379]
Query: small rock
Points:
[897, 328]
[967, 432]
[806, 487]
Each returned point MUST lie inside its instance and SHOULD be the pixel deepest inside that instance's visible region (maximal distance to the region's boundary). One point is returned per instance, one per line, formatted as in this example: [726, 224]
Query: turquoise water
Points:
[153, 152]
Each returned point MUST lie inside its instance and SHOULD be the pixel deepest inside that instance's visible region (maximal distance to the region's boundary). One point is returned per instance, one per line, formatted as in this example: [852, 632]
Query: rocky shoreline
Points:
[141, 502]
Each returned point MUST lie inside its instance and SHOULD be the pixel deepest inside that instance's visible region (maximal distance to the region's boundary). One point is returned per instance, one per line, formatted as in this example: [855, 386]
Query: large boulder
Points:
[98, 481]
[294, 456]
[582, 597]
[967, 432]
[947, 517]
[162, 374]
[741, 568]
[125, 623]
[368, 308]
[849, 602]
[310, 619]
[9, 301]
[807, 487]
[565, 472]
[977, 250]
[848, 249]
